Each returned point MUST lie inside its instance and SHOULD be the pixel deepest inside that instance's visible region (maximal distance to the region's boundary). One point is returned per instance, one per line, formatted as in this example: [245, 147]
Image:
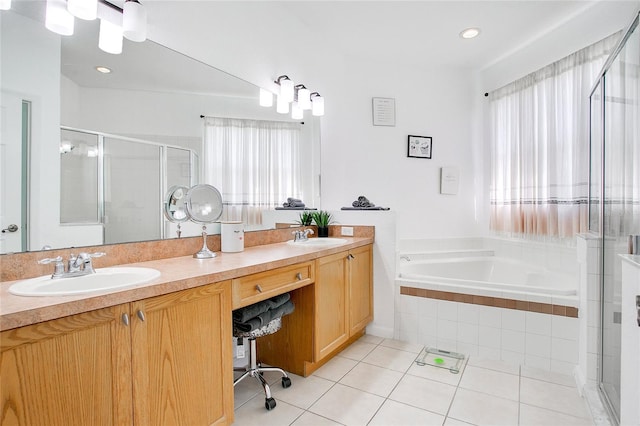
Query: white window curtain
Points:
[254, 164]
[539, 141]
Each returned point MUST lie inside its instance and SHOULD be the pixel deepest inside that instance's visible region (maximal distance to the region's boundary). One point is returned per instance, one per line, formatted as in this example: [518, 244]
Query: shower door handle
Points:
[11, 228]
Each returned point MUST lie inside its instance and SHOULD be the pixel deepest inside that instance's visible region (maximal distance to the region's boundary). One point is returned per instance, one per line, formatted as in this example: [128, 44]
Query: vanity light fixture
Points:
[470, 33]
[83, 9]
[299, 96]
[5, 4]
[110, 38]
[103, 70]
[266, 98]
[134, 21]
[296, 112]
[130, 22]
[66, 147]
[58, 19]
[317, 104]
[286, 88]
[282, 106]
[303, 96]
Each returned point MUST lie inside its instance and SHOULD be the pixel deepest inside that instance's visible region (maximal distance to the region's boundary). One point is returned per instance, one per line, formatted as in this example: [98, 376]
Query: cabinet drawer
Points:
[261, 286]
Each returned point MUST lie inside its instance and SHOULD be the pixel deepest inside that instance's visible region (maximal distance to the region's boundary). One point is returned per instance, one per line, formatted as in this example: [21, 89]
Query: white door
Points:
[10, 173]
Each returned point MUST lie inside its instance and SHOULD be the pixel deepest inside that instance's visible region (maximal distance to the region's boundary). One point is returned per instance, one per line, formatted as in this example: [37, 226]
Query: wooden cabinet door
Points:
[70, 371]
[331, 299]
[181, 357]
[360, 288]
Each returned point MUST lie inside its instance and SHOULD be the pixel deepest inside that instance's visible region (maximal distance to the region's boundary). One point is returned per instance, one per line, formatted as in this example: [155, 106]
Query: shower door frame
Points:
[600, 84]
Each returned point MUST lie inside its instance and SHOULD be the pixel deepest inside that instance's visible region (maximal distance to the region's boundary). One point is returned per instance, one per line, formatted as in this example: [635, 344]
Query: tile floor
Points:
[375, 382]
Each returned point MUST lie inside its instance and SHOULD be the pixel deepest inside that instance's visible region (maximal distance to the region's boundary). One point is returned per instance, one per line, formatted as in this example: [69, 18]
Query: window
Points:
[254, 164]
[540, 147]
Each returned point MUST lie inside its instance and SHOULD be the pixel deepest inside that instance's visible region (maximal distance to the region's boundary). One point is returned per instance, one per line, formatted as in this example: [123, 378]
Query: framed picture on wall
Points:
[419, 146]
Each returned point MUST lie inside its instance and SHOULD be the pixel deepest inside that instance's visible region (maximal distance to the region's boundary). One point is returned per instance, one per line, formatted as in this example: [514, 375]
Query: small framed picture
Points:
[419, 146]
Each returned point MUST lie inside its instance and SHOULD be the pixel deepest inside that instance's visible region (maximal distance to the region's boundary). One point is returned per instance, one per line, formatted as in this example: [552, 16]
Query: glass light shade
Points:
[304, 98]
[266, 98]
[317, 106]
[134, 21]
[58, 19]
[83, 9]
[286, 90]
[282, 106]
[110, 38]
[296, 112]
[5, 4]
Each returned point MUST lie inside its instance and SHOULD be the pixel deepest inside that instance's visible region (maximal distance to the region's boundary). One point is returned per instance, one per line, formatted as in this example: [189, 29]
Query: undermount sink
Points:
[103, 279]
[318, 242]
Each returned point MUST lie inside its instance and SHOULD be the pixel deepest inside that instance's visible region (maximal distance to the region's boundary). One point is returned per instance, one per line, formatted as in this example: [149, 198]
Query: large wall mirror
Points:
[87, 157]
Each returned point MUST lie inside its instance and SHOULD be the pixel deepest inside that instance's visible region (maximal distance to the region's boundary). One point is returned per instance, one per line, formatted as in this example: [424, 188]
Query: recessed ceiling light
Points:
[470, 33]
[103, 70]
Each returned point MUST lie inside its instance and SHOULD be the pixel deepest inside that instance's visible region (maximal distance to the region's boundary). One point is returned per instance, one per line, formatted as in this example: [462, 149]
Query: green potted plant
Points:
[322, 219]
[305, 219]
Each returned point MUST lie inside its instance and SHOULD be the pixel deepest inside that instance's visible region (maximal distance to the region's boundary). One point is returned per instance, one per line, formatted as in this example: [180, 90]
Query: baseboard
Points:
[377, 330]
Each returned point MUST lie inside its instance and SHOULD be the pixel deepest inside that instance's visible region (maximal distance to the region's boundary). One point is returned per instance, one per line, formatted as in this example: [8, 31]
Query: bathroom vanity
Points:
[160, 353]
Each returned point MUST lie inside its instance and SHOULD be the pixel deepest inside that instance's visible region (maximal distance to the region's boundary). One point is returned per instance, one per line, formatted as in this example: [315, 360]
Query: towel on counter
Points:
[293, 202]
[259, 314]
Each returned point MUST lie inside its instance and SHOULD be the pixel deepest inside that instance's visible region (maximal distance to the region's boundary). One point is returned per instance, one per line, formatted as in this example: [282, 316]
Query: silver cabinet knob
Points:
[258, 288]
[350, 256]
[125, 319]
[141, 315]
[299, 276]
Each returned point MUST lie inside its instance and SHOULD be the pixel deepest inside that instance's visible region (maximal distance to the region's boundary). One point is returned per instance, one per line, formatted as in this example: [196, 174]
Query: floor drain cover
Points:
[452, 361]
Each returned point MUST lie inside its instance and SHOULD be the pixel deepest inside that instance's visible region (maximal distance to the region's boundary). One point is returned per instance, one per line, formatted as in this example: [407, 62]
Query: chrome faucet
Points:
[407, 258]
[77, 266]
[302, 235]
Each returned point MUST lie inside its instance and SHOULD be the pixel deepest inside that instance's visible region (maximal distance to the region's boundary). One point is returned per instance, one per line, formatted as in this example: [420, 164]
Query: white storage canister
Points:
[232, 236]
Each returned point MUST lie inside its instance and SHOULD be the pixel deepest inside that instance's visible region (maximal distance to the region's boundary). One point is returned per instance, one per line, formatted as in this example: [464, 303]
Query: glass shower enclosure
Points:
[614, 199]
[120, 182]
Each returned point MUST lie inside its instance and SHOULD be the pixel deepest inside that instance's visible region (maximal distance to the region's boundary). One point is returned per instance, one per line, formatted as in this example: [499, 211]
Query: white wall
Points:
[361, 159]
[31, 70]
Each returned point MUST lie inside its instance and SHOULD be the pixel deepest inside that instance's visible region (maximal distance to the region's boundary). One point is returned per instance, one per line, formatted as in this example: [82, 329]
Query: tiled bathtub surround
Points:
[545, 341]
[536, 331]
[497, 302]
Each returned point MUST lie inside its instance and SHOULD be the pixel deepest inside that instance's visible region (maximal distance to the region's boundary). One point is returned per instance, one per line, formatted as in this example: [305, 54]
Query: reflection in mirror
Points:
[175, 208]
[48, 84]
[79, 200]
[204, 206]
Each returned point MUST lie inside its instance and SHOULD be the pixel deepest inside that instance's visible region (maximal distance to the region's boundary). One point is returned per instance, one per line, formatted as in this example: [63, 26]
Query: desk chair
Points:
[254, 369]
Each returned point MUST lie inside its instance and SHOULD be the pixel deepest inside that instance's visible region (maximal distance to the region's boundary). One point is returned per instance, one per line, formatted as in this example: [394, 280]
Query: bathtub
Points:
[488, 276]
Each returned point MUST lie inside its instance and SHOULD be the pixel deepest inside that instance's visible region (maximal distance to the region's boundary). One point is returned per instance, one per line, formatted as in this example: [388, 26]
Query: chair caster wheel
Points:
[269, 403]
[286, 382]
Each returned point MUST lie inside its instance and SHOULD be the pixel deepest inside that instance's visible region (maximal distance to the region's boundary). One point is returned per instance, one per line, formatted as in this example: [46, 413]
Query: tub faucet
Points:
[407, 258]
[77, 266]
[302, 235]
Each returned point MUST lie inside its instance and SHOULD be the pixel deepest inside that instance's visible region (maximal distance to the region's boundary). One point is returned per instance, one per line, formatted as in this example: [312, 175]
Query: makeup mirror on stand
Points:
[204, 206]
[175, 206]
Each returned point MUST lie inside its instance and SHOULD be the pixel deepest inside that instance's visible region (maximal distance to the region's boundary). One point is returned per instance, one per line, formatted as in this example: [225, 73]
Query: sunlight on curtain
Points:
[539, 141]
[254, 164]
